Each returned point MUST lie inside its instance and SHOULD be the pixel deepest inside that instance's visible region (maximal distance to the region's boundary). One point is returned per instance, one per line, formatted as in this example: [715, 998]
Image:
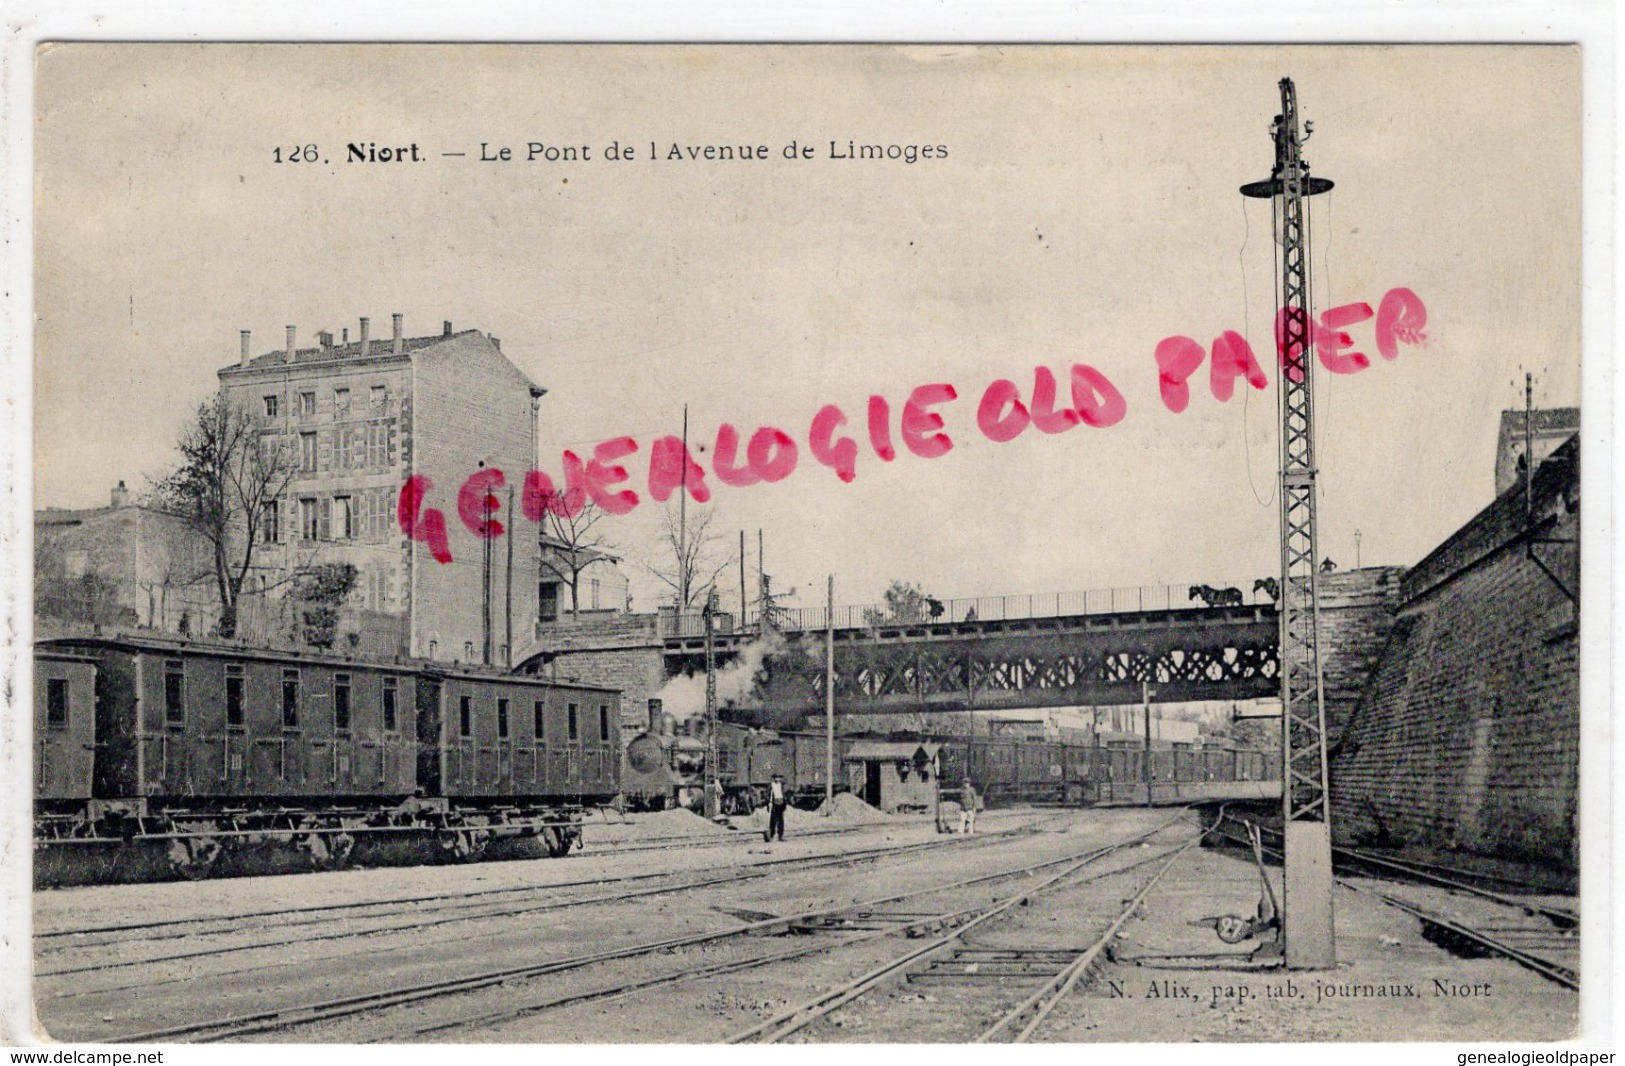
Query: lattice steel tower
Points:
[1307, 923]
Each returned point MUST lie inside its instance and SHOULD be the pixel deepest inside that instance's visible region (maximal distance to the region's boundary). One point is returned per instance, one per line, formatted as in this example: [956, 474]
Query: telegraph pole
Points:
[829, 701]
[711, 806]
[507, 588]
[1145, 705]
[1307, 919]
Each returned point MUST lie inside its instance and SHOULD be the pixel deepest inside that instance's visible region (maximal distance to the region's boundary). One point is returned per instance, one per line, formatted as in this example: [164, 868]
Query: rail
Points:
[1019, 607]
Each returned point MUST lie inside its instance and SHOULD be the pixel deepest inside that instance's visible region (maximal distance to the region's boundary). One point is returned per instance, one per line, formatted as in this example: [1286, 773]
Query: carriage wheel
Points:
[464, 845]
[193, 857]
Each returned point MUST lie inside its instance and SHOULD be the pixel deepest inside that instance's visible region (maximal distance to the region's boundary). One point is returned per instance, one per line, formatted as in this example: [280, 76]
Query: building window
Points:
[290, 699]
[307, 453]
[270, 406]
[575, 721]
[341, 703]
[434, 648]
[307, 405]
[468, 650]
[465, 716]
[234, 695]
[174, 692]
[341, 401]
[343, 453]
[56, 703]
[539, 709]
[377, 445]
[308, 527]
[269, 533]
[603, 722]
[343, 517]
[380, 395]
[502, 719]
[389, 705]
[595, 594]
[547, 601]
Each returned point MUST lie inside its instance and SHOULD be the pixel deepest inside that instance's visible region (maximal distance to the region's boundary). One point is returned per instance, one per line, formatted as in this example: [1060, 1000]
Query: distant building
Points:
[150, 564]
[1549, 428]
[601, 587]
[362, 416]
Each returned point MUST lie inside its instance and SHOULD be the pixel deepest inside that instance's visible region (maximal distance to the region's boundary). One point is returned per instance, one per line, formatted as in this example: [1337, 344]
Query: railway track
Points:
[1489, 934]
[858, 918]
[1070, 967]
[422, 911]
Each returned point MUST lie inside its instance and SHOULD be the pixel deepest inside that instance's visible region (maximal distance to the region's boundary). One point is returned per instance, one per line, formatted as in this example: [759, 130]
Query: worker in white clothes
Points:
[967, 809]
[776, 802]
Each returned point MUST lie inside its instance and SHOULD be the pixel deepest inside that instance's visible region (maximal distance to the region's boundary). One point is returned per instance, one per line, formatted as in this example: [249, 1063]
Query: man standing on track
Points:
[967, 810]
[776, 802]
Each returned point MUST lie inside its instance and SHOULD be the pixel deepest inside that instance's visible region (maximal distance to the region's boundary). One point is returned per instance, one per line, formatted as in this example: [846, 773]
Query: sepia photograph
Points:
[704, 544]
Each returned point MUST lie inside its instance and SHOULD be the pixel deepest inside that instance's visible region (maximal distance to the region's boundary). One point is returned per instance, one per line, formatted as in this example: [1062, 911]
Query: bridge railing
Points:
[1019, 607]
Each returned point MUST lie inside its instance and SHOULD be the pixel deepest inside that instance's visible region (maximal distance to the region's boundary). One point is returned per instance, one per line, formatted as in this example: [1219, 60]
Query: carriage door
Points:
[504, 749]
[573, 748]
[463, 770]
[234, 740]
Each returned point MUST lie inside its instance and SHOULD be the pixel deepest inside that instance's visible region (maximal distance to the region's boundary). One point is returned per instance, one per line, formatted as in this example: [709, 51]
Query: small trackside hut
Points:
[894, 776]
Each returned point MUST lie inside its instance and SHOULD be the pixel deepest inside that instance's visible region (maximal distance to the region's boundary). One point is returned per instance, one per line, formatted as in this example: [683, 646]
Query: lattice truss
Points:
[922, 671]
[1303, 720]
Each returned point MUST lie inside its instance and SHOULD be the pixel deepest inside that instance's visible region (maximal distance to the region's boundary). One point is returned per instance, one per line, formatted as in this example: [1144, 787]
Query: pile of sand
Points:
[849, 809]
[659, 825]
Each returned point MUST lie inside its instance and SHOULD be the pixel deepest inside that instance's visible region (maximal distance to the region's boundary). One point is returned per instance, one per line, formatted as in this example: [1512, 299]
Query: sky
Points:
[1085, 210]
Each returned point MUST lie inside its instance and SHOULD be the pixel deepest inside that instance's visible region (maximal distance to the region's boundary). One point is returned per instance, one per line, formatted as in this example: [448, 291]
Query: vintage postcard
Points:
[701, 544]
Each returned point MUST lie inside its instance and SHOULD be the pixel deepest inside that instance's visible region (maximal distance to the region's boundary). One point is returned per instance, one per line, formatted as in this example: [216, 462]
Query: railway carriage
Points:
[64, 738]
[212, 746]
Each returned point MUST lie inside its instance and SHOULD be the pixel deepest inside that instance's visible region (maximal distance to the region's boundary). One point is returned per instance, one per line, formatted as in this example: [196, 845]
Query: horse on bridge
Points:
[1228, 597]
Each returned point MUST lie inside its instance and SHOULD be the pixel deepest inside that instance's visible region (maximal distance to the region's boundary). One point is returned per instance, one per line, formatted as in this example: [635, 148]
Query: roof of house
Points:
[381, 348]
[1545, 419]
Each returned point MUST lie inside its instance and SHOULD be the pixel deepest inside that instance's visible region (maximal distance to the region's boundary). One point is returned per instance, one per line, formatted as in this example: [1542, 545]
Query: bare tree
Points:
[230, 472]
[571, 542]
[692, 566]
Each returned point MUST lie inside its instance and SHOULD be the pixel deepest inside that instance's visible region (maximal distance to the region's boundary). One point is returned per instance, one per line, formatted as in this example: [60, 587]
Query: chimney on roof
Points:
[496, 342]
[245, 336]
[445, 330]
[288, 354]
[345, 335]
[324, 338]
[398, 342]
[121, 495]
[366, 343]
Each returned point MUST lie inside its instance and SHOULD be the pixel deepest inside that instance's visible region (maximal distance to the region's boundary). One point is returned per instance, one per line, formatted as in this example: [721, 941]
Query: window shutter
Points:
[326, 520]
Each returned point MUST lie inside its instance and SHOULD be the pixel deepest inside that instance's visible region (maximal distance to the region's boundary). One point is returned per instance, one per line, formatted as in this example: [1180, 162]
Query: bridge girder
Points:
[1190, 655]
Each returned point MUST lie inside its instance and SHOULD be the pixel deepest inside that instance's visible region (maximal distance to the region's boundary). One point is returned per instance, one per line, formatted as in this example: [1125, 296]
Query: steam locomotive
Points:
[211, 748]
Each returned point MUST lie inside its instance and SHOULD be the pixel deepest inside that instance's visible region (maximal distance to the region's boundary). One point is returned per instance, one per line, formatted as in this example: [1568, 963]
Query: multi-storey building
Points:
[363, 416]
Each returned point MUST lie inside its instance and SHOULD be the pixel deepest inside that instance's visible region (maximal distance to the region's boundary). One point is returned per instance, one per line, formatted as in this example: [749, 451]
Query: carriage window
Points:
[575, 712]
[389, 705]
[603, 721]
[234, 695]
[341, 702]
[290, 699]
[540, 711]
[56, 703]
[502, 719]
[174, 693]
[465, 720]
